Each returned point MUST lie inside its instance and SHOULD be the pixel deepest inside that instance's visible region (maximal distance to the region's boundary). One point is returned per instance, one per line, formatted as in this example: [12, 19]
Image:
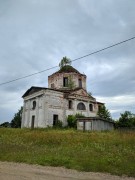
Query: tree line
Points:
[16, 121]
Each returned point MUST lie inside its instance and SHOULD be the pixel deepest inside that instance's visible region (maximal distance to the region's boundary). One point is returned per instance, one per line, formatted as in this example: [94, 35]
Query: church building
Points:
[66, 95]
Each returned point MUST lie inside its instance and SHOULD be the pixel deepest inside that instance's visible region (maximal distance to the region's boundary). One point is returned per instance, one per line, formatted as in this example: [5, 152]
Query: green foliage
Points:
[104, 113]
[79, 115]
[16, 121]
[5, 124]
[59, 124]
[71, 84]
[90, 93]
[65, 61]
[127, 119]
[72, 120]
[84, 151]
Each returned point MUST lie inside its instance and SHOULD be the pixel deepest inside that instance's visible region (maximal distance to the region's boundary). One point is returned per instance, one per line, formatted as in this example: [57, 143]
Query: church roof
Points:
[34, 89]
[68, 69]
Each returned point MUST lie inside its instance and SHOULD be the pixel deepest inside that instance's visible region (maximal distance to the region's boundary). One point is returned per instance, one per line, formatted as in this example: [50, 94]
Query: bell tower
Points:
[67, 78]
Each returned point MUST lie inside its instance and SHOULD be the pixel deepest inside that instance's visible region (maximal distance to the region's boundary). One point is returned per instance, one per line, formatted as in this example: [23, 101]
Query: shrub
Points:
[59, 124]
[72, 120]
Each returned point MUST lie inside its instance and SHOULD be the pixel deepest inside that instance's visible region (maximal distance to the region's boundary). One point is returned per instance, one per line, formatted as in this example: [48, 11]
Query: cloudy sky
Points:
[36, 34]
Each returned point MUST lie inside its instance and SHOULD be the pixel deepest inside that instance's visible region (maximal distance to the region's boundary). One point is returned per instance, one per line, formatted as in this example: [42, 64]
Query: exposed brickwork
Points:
[53, 102]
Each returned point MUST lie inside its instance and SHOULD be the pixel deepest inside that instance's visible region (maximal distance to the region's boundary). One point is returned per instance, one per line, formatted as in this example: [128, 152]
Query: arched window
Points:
[91, 107]
[70, 104]
[81, 106]
[34, 105]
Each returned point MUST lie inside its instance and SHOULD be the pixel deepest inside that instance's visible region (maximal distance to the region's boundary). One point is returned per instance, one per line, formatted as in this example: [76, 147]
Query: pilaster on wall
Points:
[29, 120]
[64, 112]
[46, 110]
[75, 106]
[37, 112]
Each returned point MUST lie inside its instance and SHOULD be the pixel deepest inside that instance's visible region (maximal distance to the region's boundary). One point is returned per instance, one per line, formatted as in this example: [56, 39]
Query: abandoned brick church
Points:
[66, 95]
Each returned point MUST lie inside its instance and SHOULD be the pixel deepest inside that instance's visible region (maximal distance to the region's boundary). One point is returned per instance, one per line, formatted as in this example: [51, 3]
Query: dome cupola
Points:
[67, 78]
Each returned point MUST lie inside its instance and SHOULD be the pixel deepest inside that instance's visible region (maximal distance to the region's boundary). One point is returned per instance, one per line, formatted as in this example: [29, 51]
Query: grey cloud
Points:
[36, 34]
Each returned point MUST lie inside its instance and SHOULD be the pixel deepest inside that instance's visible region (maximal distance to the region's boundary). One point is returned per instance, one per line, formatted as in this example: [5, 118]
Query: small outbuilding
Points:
[94, 124]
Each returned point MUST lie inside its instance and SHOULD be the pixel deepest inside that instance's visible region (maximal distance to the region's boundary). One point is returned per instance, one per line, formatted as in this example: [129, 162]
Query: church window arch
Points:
[81, 106]
[34, 104]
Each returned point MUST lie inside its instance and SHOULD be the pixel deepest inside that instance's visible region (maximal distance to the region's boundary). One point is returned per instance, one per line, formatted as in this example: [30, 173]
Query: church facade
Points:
[66, 95]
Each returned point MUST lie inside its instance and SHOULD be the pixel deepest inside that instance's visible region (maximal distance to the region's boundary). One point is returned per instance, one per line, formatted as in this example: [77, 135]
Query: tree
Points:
[16, 121]
[72, 120]
[5, 124]
[65, 61]
[90, 93]
[127, 119]
[104, 113]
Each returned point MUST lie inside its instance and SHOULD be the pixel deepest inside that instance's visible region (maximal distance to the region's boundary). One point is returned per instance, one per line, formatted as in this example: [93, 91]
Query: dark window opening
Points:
[80, 83]
[99, 107]
[65, 81]
[70, 104]
[32, 122]
[52, 85]
[55, 119]
[34, 105]
[91, 107]
[81, 106]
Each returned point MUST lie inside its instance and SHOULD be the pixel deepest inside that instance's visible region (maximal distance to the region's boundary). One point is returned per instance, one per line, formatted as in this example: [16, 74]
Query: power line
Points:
[28, 75]
[95, 52]
[108, 47]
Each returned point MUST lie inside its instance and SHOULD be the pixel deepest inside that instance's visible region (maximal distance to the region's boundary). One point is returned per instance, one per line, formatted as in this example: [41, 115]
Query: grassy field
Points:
[112, 152]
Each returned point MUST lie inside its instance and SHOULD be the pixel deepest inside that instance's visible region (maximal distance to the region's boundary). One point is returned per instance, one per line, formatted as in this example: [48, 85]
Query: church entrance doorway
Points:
[55, 119]
[32, 122]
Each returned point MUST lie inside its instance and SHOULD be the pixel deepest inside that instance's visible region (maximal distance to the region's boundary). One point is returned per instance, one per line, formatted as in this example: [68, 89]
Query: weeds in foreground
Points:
[112, 152]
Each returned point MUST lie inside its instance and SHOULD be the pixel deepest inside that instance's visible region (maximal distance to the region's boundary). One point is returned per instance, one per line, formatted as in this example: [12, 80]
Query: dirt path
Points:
[16, 171]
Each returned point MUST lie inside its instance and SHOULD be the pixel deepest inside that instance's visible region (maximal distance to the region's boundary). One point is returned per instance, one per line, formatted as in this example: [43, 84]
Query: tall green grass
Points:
[112, 152]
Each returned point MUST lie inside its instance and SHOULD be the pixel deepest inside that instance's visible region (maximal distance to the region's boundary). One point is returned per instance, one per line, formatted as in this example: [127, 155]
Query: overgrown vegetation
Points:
[5, 124]
[71, 84]
[112, 152]
[126, 120]
[16, 121]
[58, 124]
[72, 120]
[65, 61]
[104, 113]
